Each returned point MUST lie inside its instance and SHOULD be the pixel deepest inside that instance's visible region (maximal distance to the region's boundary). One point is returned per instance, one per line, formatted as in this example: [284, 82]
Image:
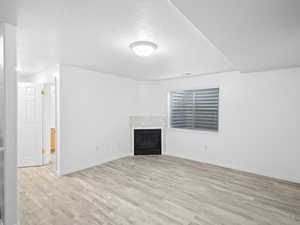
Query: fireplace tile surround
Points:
[149, 122]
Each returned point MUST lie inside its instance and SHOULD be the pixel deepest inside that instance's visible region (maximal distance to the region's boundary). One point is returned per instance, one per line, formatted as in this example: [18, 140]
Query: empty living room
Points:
[150, 112]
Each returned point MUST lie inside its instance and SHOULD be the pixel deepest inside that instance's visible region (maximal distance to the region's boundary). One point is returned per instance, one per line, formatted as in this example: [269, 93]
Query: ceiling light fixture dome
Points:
[143, 48]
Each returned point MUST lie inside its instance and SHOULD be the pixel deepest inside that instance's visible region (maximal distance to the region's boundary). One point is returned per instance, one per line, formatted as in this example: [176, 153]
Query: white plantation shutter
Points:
[195, 109]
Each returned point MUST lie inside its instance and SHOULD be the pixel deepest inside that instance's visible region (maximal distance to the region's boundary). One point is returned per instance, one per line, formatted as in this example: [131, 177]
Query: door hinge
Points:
[42, 92]
[44, 151]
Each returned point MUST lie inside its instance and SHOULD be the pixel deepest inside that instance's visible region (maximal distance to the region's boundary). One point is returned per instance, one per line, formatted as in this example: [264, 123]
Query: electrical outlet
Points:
[205, 147]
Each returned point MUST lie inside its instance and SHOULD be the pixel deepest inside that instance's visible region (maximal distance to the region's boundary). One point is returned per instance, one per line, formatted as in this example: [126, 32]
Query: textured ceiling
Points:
[193, 36]
[96, 34]
[255, 35]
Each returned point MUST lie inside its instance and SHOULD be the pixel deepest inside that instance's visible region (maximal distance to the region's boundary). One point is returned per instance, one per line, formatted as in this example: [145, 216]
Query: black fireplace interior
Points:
[147, 142]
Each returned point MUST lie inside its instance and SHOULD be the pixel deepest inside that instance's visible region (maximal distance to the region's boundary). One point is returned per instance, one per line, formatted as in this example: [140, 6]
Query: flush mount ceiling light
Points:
[143, 48]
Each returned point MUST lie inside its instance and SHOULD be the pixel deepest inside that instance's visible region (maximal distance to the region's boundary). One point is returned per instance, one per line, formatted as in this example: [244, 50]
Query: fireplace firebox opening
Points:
[147, 142]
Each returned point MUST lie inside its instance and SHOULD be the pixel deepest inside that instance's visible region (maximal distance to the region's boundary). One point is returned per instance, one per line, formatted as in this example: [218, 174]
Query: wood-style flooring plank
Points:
[156, 190]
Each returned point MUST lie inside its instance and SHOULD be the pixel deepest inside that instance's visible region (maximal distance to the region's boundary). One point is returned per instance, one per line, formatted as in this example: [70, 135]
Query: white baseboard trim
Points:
[1, 223]
[247, 170]
[74, 170]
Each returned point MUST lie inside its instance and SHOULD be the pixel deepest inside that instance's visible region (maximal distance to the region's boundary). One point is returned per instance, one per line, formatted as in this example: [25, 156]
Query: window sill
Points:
[200, 131]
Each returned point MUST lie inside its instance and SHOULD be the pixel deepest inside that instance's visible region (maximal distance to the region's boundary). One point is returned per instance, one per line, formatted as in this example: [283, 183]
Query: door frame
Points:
[47, 108]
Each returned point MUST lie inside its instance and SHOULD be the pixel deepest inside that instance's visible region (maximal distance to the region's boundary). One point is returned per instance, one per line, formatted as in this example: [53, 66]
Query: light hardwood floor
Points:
[158, 190]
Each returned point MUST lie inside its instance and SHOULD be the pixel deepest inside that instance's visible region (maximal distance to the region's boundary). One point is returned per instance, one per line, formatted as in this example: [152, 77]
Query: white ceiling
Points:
[255, 35]
[95, 34]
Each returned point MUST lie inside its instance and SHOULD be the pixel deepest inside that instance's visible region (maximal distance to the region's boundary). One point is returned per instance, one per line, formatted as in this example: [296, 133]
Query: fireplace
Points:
[147, 141]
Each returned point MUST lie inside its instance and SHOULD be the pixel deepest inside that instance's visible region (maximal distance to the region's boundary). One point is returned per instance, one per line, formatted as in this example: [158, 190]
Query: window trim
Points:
[192, 129]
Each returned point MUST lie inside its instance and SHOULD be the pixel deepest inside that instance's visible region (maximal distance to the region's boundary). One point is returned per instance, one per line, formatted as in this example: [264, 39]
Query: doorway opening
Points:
[37, 124]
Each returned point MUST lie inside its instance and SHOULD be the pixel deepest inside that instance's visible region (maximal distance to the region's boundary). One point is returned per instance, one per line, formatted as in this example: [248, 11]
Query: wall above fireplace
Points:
[148, 121]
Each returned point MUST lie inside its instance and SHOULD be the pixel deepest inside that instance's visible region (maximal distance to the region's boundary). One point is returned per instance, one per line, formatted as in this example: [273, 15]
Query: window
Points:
[195, 109]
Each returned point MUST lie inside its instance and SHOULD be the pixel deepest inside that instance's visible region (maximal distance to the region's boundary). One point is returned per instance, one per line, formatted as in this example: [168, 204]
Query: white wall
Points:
[94, 117]
[10, 154]
[45, 77]
[259, 121]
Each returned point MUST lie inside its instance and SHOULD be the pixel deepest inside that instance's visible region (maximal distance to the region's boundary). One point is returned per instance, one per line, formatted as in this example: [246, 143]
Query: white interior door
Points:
[30, 126]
